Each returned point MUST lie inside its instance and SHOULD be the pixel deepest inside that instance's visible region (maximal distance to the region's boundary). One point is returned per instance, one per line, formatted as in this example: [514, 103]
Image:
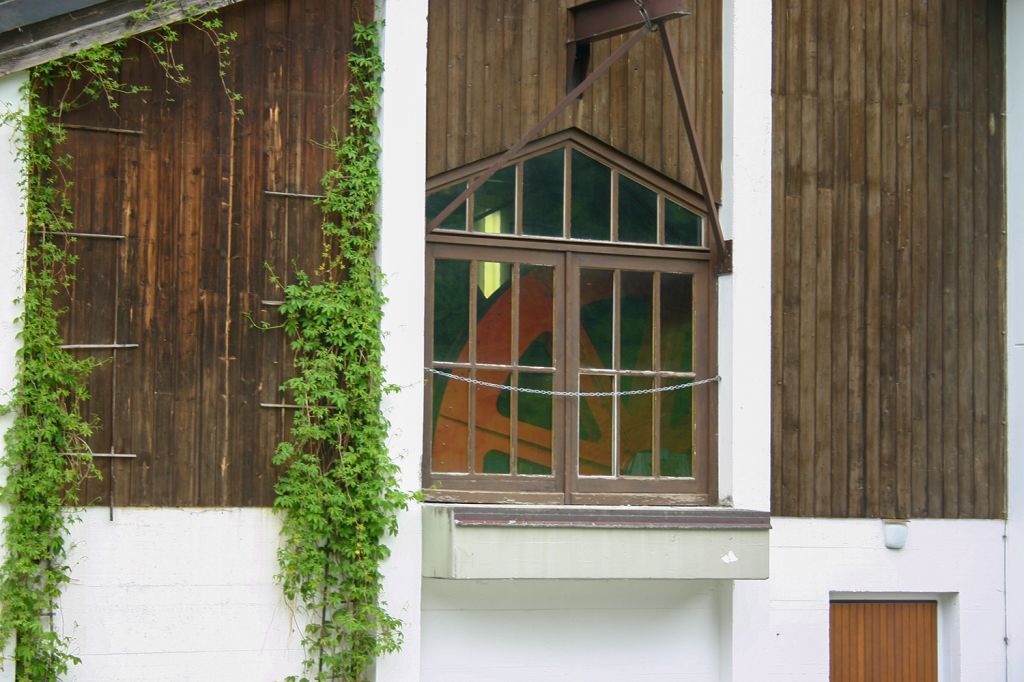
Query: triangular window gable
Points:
[570, 186]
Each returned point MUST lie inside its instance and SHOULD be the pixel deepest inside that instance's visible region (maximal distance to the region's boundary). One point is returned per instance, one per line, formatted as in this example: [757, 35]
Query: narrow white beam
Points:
[1015, 335]
[401, 253]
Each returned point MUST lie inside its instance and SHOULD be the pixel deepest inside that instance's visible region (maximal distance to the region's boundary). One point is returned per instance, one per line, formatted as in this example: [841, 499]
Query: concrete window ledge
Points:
[477, 542]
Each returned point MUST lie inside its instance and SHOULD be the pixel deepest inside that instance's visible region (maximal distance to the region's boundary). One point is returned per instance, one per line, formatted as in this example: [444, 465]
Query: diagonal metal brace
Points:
[725, 247]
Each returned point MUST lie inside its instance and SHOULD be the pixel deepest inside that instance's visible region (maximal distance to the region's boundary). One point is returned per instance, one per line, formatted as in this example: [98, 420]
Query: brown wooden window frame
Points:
[568, 256]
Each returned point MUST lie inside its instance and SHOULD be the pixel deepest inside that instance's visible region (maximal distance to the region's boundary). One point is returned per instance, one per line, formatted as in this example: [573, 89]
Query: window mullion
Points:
[513, 428]
[656, 365]
[568, 341]
[471, 412]
[616, 365]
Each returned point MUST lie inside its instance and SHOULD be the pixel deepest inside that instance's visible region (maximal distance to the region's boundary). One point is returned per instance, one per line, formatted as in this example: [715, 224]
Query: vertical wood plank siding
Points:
[888, 259]
[883, 641]
[495, 68]
[182, 281]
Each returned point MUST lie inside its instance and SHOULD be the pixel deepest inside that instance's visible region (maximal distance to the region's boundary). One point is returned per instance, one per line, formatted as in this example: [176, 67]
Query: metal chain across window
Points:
[572, 394]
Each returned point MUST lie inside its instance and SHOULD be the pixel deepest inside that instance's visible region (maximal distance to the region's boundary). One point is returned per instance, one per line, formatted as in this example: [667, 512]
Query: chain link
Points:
[571, 394]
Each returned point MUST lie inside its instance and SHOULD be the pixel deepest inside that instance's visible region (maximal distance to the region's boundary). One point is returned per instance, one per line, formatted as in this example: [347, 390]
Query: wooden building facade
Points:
[189, 217]
[889, 254]
[888, 298]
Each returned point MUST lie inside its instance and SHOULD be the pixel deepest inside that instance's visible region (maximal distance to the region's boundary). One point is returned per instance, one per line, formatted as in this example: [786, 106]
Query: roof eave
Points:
[38, 43]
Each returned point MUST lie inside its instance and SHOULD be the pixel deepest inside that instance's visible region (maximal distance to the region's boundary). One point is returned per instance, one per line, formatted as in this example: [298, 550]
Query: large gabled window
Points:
[572, 269]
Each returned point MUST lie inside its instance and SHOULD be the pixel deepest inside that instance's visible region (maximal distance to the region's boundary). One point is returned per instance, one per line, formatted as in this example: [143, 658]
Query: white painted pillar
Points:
[403, 133]
[1015, 333]
[12, 272]
[745, 296]
[745, 309]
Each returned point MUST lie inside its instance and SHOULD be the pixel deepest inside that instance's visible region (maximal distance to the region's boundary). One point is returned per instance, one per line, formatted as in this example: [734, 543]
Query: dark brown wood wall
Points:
[185, 190]
[495, 68]
[888, 303]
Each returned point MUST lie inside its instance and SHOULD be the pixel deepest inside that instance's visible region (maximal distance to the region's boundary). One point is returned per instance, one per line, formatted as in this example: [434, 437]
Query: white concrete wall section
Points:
[401, 253]
[569, 631]
[812, 560]
[1015, 337]
[745, 296]
[745, 308]
[162, 595]
[12, 269]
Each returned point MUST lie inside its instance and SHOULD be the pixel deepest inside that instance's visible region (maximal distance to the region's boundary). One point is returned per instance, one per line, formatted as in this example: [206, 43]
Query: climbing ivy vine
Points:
[339, 490]
[46, 456]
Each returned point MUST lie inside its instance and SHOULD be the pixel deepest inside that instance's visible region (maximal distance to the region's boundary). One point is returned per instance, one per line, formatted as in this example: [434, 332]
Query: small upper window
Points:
[568, 194]
[567, 272]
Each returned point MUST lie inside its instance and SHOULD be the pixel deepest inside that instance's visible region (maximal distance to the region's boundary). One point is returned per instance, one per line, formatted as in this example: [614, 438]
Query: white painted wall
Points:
[162, 595]
[745, 310]
[960, 561]
[570, 631]
[402, 255]
[1015, 335]
[12, 270]
[745, 296]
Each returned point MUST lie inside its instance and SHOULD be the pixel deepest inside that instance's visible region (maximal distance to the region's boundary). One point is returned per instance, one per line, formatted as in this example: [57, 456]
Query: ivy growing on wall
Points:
[339, 490]
[46, 456]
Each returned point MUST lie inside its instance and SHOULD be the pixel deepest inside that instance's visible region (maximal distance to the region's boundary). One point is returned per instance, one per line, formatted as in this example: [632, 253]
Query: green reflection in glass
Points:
[437, 201]
[536, 315]
[451, 309]
[494, 203]
[494, 312]
[636, 426]
[596, 309]
[636, 320]
[638, 212]
[595, 427]
[676, 431]
[543, 190]
[591, 198]
[534, 436]
[496, 462]
[682, 226]
[677, 322]
[492, 432]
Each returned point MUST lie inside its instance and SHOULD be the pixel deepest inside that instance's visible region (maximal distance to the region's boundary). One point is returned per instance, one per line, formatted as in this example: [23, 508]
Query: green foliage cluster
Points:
[46, 456]
[339, 489]
[50, 385]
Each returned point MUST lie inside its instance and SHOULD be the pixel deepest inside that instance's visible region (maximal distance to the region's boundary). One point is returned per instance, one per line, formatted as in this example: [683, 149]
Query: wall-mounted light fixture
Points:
[895, 532]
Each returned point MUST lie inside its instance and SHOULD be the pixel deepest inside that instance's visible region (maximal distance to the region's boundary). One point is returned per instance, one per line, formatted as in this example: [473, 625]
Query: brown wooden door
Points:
[883, 642]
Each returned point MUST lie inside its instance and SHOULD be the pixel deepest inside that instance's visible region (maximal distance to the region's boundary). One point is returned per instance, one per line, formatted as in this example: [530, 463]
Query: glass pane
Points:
[682, 226]
[676, 431]
[536, 315]
[638, 212]
[636, 320]
[437, 201]
[591, 198]
[494, 204]
[596, 430]
[636, 426]
[492, 428]
[451, 310]
[543, 189]
[534, 438]
[677, 323]
[596, 310]
[494, 313]
[450, 442]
